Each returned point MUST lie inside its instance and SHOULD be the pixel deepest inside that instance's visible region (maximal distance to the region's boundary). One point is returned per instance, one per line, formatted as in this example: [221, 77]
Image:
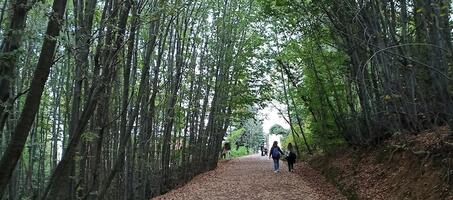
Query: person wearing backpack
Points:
[275, 154]
[291, 158]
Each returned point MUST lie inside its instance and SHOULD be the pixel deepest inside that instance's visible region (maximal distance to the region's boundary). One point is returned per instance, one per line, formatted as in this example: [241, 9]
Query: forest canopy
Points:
[126, 99]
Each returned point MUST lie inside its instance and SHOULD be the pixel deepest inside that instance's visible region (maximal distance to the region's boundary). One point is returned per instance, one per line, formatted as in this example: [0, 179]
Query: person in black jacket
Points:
[291, 158]
[275, 154]
[262, 150]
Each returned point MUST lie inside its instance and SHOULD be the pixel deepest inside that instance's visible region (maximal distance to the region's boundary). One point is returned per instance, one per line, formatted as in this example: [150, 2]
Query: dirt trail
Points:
[251, 177]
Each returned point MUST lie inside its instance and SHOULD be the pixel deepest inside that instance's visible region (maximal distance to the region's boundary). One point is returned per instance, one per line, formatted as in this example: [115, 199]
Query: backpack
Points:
[291, 157]
[275, 153]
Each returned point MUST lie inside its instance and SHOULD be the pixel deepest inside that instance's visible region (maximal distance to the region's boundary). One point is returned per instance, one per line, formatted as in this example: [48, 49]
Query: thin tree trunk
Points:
[8, 60]
[31, 106]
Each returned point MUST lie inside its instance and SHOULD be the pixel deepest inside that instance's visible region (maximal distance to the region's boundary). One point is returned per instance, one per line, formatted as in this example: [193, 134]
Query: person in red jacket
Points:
[275, 153]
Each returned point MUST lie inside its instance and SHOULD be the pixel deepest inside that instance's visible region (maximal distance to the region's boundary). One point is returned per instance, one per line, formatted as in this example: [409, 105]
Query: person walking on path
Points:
[291, 158]
[275, 154]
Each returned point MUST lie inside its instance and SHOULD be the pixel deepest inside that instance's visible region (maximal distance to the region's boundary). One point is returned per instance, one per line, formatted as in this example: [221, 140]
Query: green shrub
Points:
[242, 151]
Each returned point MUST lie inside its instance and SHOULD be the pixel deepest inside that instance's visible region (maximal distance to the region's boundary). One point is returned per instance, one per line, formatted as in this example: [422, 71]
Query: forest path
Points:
[252, 177]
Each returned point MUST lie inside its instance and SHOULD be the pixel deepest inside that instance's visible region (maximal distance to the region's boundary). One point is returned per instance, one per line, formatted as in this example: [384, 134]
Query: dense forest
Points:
[127, 99]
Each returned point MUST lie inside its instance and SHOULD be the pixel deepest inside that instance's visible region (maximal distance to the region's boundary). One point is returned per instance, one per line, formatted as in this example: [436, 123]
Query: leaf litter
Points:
[252, 177]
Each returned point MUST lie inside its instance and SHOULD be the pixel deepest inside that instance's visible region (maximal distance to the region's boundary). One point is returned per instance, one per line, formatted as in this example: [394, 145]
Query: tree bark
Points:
[31, 106]
[9, 56]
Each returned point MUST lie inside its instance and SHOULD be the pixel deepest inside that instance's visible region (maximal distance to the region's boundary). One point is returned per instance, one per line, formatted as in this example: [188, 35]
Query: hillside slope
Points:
[403, 167]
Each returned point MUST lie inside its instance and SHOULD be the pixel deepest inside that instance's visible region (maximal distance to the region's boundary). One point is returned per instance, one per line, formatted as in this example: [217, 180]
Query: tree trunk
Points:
[31, 106]
[9, 56]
